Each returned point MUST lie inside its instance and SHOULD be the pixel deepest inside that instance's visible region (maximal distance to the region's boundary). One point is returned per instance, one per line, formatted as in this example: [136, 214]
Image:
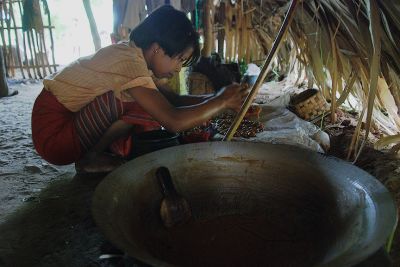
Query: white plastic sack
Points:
[283, 127]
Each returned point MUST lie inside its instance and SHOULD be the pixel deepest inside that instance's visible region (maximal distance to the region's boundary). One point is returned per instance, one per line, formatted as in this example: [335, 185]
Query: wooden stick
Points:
[24, 43]
[260, 79]
[16, 41]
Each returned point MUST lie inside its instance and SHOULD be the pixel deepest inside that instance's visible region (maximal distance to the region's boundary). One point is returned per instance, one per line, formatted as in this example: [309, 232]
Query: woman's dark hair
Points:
[171, 29]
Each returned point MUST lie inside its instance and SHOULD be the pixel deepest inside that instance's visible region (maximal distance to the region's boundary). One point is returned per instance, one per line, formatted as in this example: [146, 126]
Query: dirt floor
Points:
[45, 217]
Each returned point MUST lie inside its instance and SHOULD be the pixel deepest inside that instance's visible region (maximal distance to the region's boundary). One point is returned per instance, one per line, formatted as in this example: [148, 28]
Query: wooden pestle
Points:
[175, 209]
[261, 77]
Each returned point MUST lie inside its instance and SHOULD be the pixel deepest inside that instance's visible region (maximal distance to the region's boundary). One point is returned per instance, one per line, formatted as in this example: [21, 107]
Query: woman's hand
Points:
[233, 95]
[176, 119]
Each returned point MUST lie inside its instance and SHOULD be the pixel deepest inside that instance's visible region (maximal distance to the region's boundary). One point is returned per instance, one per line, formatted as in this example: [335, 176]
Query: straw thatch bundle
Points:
[349, 48]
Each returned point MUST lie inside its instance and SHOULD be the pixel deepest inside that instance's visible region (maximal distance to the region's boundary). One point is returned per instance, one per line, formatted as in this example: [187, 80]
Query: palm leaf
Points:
[375, 30]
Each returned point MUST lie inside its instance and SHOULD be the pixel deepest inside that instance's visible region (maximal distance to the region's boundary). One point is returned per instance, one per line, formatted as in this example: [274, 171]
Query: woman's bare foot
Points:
[94, 162]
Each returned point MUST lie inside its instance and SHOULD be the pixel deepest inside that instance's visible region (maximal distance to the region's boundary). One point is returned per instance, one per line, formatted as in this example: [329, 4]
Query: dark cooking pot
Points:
[150, 141]
[252, 204]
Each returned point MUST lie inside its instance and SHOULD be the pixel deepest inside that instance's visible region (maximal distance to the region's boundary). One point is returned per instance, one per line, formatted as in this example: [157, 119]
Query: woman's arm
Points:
[183, 100]
[177, 119]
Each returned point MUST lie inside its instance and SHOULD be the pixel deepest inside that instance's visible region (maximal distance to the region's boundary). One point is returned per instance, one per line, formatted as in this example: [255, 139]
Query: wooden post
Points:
[3, 80]
[3, 39]
[208, 35]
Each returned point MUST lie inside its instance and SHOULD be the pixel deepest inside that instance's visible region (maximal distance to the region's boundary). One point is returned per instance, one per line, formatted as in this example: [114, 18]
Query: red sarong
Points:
[62, 137]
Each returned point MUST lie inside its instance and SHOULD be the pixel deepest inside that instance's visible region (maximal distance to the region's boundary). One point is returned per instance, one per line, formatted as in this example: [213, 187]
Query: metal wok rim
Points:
[386, 222]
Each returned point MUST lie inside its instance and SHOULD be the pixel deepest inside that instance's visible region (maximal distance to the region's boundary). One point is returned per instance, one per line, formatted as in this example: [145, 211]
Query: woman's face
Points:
[164, 66]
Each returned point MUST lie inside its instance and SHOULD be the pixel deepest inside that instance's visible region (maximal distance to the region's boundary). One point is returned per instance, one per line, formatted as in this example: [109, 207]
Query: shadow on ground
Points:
[55, 228]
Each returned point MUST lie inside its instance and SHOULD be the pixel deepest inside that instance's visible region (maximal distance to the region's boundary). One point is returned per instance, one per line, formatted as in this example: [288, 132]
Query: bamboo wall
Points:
[233, 35]
[26, 49]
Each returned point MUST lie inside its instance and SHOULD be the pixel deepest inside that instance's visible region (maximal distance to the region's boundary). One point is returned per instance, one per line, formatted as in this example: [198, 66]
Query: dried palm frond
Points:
[387, 141]
[347, 48]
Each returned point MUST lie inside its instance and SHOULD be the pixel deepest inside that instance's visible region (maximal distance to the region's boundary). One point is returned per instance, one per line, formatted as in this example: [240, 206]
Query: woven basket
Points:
[310, 104]
[199, 84]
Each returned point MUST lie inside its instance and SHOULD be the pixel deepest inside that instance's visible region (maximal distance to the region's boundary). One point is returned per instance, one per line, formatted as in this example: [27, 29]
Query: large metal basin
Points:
[252, 204]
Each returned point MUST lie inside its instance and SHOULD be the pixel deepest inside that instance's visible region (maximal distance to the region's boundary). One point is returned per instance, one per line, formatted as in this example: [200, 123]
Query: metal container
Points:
[150, 141]
[348, 212]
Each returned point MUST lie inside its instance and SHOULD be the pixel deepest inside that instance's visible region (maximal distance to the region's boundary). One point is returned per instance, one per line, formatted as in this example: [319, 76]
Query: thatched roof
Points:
[347, 48]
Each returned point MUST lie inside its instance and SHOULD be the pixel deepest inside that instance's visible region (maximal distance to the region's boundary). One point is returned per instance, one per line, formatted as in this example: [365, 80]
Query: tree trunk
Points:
[3, 81]
[93, 26]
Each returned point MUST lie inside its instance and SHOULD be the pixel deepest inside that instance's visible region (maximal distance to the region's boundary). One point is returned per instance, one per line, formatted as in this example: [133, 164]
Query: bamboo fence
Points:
[26, 49]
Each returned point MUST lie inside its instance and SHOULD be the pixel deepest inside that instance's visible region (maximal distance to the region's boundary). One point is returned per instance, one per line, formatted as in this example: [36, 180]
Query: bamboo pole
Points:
[208, 35]
[248, 37]
[45, 52]
[24, 43]
[40, 53]
[239, 30]
[260, 79]
[3, 39]
[235, 34]
[11, 11]
[51, 40]
[4, 90]
[36, 51]
[227, 26]
[221, 31]
[11, 56]
[31, 51]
